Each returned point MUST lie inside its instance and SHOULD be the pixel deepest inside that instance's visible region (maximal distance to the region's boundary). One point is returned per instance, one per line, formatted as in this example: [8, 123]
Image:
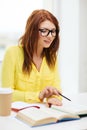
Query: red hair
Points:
[30, 39]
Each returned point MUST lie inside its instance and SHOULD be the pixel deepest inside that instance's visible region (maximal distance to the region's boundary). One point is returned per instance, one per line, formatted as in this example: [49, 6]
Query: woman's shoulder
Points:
[14, 49]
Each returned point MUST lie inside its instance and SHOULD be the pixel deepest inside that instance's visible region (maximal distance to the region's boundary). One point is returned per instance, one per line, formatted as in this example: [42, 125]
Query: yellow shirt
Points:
[26, 88]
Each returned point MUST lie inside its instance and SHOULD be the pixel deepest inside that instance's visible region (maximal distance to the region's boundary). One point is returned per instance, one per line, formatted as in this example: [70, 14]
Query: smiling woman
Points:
[72, 35]
[31, 67]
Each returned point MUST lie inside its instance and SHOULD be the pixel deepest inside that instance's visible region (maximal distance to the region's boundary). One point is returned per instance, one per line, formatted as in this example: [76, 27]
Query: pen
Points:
[64, 96]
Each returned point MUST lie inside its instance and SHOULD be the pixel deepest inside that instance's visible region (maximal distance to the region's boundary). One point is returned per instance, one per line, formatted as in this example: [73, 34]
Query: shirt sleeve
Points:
[30, 97]
[8, 69]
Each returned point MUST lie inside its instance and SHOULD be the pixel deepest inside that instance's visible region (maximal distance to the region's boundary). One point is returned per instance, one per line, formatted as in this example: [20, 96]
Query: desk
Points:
[10, 123]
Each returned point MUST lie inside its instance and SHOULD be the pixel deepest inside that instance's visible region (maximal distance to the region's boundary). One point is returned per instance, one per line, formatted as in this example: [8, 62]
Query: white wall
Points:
[83, 46]
[69, 45]
[14, 13]
[73, 45]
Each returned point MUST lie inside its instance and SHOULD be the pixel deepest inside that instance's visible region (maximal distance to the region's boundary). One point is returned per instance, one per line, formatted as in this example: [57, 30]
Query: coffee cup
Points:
[5, 101]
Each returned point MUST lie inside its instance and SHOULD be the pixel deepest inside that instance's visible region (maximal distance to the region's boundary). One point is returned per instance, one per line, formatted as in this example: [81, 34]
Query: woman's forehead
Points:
[47, 24]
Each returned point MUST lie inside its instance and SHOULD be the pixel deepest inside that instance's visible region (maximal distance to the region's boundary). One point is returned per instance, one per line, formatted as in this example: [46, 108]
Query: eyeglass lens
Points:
[46, 32]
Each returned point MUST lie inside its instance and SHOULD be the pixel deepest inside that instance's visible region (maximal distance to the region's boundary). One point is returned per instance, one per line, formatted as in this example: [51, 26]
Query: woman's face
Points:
[47, 33]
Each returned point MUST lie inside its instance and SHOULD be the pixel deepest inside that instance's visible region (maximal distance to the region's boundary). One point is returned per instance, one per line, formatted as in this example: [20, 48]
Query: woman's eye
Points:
[44, 31]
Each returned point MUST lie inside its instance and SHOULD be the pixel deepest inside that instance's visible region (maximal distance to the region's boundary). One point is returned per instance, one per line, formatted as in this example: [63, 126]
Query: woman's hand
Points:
[48, 92]
[53, 101]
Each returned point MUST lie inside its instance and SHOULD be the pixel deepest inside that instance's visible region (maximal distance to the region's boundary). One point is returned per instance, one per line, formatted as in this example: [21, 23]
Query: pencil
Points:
[64, 96]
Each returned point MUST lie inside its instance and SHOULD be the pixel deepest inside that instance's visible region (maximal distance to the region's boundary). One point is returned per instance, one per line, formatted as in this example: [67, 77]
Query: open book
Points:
[39, 114]
[70, 107]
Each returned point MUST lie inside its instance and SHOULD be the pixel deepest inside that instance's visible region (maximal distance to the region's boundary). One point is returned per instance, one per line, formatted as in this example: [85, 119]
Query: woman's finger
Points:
[54, 101]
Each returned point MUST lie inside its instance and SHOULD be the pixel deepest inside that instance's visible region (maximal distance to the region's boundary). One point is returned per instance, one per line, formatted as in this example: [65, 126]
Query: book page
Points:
[34, 113]
[71, 108]
[59, 114]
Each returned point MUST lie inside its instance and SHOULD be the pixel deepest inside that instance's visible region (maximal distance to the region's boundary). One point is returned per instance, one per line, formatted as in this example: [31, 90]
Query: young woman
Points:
[31, 68]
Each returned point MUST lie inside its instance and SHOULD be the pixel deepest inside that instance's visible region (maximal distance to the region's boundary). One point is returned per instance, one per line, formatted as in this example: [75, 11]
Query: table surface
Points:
[11, 123]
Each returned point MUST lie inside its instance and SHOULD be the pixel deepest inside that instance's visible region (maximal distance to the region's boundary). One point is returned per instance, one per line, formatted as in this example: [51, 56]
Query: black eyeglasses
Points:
[45, 32]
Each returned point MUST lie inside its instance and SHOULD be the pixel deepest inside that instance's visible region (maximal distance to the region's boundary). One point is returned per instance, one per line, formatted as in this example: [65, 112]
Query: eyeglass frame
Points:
[49, 31]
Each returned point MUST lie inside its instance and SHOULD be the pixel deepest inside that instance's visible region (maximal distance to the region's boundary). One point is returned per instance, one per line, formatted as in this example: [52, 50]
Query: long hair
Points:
[30, 39]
